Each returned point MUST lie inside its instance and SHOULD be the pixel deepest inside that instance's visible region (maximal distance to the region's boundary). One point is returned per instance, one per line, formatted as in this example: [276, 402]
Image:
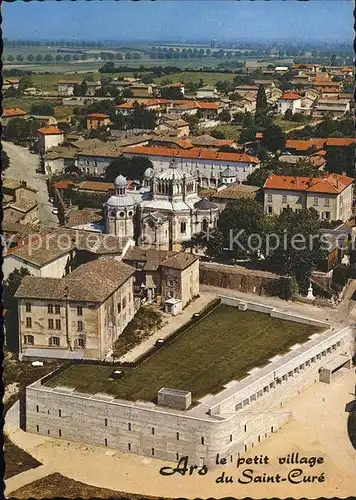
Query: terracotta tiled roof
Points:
[153, 259]
[12, 112]
[235, 192]
[63, 184]
[329, 89]
[305, 144]
[194, 153]
[340, 141]
[81, 284]
[98, 116]
[290, 96]
[50, 130]
[329, 184]
[96, 186]
[207, 105]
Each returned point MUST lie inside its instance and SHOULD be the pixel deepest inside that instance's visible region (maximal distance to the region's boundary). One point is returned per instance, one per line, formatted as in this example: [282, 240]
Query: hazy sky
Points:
[184, 19]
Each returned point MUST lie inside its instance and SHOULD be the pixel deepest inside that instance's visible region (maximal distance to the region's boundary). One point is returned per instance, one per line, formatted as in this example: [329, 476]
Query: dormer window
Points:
[112, 213]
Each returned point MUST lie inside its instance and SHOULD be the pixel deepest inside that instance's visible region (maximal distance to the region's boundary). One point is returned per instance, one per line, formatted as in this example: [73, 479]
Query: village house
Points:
[10, 83]
[204, 164]
[19, 203]
[289, 101]
[172, 124]
[48, 137]
[78, 316]
[95, 120]
[334, 108]
[209, 142]
[331, 196]
[55, 254]
[304, 146]
[207, 92]
[94, 156]
[177, 85]
[170, 278]
[9, 113]
[66, 87]
[58, 158]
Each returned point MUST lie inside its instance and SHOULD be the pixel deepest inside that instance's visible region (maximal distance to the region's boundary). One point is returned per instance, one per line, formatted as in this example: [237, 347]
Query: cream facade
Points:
[230, 423]
[329, 206]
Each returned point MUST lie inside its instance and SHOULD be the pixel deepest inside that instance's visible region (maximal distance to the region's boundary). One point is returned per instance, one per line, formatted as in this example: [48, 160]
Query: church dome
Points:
[228, 172]
[121, 201]
[121, 181]
[149, 173]
[174, 173]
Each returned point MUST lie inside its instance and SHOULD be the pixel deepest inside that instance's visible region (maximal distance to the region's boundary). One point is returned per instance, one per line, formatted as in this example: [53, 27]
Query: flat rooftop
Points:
[223, 346]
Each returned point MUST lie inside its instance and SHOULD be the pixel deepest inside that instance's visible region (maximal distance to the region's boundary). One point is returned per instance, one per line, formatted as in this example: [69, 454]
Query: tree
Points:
[131, 168]
[67, 57]
[48, 58]
[19, 58]
[20, 130]
[174, 93]
[341, 159]
[224, 116]
[77, 90]
[261, 105]
[25, 83]
[42, 108]
[128, 56]
[127, 92]
[274, 138]
[241, 215]
[30, 57]
[298, 254]
[10, 58]
[39, 58]
[59, 58]
[5, 161]
[10, 287]
[84, 87]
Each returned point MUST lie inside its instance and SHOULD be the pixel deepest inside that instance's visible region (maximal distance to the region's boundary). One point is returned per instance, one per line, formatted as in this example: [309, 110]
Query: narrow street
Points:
[23, 165]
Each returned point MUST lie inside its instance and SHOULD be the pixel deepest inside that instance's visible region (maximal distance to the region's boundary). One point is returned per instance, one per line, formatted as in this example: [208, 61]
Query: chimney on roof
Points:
[344, 173]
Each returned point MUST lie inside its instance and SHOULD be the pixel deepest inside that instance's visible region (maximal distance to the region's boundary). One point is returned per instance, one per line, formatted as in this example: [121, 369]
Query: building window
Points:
[106, 442]
[129, 426]
[316, 202]
[270, 209]
[284, 198]
[153, 452]
[129, 446]
[50, 324]
[50, 308]
[106, 422]
[245, 428]
[59, 433]
[269, 198]
[119, 307]
[38, 428]
[37, 409]
[59, 413]
[202, 440]
[230, 438]
[183, 227]
[79, 311]
[153, 430]
[57, 309]
[124, 302]
[80, 326]
[58, 324]
[29, 339]
[327, 202]
[28, 307]
[54, 341]
[28, 322]
[79, 343]
[327, 215]
[205, 225]
[177, 456]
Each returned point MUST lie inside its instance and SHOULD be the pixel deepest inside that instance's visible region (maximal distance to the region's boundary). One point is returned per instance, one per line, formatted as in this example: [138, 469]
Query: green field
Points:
[223, 346]
[194, 77]
[60, 112]
[230, 131]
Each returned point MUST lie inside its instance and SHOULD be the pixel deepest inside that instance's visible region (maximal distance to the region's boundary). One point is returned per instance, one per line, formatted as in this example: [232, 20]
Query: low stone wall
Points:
[238, 278]
[274, 313]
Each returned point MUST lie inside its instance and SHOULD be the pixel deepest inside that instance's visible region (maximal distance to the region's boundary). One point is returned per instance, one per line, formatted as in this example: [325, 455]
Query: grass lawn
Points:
[58, 486]
[17, 460]
[223, 346]
[230, 131]
[288, 124]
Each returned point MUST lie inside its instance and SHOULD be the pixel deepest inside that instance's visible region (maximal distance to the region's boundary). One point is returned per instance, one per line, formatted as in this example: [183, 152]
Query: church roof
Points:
[228, 172]
[125, 200]
[121, 181]
[174, 173]
[205, 204]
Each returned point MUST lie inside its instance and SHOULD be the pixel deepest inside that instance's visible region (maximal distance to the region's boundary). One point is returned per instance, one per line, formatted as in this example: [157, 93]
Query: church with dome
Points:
[165, 212]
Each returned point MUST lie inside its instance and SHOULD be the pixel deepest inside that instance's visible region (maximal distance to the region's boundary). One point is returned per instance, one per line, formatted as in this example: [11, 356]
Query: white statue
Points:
[310, 295]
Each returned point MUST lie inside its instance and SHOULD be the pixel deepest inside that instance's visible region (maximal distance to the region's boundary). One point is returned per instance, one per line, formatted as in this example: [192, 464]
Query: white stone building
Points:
[49, 137]
[205, 165]
[164, 213]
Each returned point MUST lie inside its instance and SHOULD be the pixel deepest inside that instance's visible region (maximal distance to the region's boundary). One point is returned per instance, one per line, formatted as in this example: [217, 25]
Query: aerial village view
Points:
[179, 257]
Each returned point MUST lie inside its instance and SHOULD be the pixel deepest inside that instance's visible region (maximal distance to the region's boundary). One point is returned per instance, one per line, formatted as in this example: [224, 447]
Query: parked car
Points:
[55, 211]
